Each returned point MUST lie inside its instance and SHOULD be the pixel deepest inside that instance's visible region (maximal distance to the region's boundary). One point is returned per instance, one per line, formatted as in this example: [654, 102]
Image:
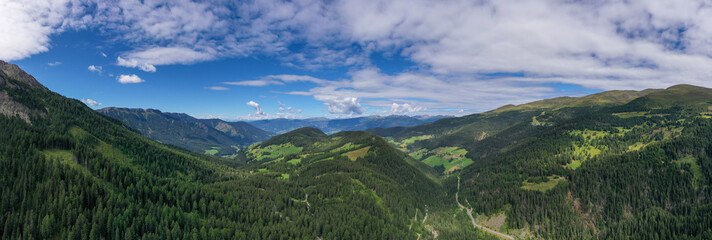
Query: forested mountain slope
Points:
[212, 136]
[451, 144]
[636, 168]
[68, 172]
[640, 170]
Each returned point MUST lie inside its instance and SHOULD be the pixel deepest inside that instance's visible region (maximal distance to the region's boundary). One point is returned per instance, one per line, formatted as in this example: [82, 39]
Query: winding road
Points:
[469, 213]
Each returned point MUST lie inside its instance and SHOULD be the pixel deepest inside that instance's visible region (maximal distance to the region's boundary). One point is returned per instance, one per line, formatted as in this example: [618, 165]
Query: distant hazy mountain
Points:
[213, 136]
[282, 125]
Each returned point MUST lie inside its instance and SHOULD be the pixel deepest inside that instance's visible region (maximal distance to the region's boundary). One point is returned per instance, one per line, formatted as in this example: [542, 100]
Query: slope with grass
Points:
[475, 133]
[602, 174]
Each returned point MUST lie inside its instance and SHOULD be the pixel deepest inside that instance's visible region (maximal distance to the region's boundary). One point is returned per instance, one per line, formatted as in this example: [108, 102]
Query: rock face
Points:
[12, 71]
[8, 106]
[11, 108]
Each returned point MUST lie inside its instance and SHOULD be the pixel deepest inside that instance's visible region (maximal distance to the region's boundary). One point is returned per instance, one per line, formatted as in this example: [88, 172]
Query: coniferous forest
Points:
[638, 167]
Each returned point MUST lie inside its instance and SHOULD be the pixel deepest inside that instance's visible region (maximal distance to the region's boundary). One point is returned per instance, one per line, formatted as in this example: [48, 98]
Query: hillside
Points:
[282, 125]
[636, 170]
[446, 144]
[71, 173]
[212, 136]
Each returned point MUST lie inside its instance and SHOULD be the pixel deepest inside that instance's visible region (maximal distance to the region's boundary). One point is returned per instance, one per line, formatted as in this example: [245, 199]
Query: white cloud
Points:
[341, 105]
[52, 64]
[103, 54]
[133, 63]
[404, 108]
[124, 79]
[421, 91]
[94, 68]
[255, 83]
[258, 109]
[284, 109]
[217, 88]
[169, 55]
[26, 26]
[91, 102]
[259, 114]
[459, 48]
[277, 80]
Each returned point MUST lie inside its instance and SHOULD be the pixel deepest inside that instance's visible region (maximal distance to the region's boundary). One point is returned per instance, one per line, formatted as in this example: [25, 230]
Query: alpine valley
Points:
[612, 165]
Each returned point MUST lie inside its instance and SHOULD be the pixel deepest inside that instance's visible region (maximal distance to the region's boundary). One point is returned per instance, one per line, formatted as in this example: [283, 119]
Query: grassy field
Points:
[408, 141]
[295, 161]
[574, 164]
[586, 150]
[273, 152]
[212, 151]
[629, 114]
[637, 146]
[434, 161]
[356, 154]
[418, 154]
[451, 158]
[694, 168]
[346, 147]
[64, 156]
[590, 134]
[543, 186]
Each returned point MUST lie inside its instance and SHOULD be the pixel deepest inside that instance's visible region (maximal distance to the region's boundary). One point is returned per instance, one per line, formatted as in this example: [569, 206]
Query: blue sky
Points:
[311, 58]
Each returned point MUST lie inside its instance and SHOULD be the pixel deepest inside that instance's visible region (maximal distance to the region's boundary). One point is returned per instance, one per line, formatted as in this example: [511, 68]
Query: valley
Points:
[618, 164]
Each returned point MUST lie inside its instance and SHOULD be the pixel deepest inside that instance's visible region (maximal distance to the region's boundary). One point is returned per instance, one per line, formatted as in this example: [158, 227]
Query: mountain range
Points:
[223, 138]
[612, 165]
[282, 125]
[212, 136]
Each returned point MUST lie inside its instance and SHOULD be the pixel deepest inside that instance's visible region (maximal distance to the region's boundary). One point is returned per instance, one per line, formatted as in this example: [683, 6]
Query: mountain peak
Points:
[607, 98]
[682, 95]
[12, 71]
[688, 88]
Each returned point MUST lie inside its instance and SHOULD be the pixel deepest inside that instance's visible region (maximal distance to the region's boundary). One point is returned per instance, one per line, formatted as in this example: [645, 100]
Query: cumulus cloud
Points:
[421, 91]
[404, 108]
[283, 108]
[26, 26]
[464, 52]
[341, 105]
[217, 88]
[125, 79]
[285, 111]
[133, 63]
[147, 58]
[258, 109]
[94, 68]
[91, 102]
[52, 64]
